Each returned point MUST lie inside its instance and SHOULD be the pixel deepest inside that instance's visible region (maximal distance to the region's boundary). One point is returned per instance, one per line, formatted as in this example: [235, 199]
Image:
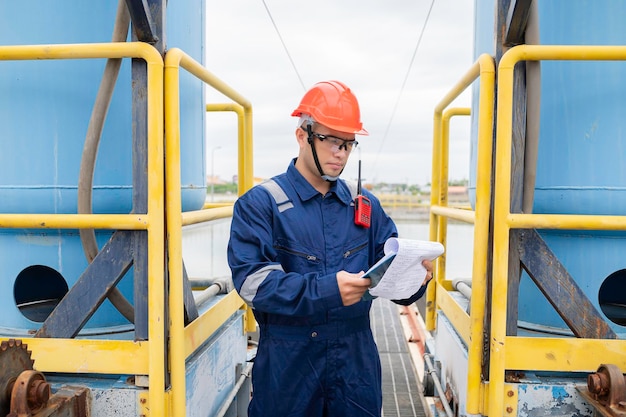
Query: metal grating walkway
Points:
[401, 389]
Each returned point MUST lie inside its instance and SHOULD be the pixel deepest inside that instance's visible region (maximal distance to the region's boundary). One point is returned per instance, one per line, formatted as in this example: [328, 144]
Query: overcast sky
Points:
[369, 45]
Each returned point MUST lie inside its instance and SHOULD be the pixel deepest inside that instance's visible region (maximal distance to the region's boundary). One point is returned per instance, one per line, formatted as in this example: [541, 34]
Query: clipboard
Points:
[376, 272]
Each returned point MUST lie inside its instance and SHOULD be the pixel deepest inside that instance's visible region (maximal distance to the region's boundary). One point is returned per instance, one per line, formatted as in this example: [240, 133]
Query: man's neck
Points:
[316, 181]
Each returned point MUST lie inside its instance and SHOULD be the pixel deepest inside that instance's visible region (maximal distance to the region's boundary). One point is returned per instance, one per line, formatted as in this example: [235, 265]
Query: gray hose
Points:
[90, 152]
[430, 368]
[463, 286]
[245, 374]
[208, 293]
[214, 286]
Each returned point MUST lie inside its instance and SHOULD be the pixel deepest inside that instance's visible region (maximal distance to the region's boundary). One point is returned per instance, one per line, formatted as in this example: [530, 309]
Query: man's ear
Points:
[301, 136]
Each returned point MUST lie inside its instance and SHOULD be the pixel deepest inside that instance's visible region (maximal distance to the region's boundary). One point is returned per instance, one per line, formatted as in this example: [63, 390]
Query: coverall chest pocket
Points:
[356, 256]
[295, 257]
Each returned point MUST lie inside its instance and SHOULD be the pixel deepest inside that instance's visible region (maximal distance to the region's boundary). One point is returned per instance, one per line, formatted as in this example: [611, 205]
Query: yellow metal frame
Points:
[514, 352]
[469, 327]
[112, 356]
[244, 143]
[184, 341]
[506, 352]
[164, 195]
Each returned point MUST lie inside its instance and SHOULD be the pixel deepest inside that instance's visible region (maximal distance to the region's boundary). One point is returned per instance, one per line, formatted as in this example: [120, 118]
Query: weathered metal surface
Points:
[552, 397]
[29, 395]
[14, 359]
[560, 289]
[141, 16]
[450, 351]
[88, 293]
[599, 409]
[516, 22]
[140, 284]
[606, 390]
[191, 310]
[212, 371]
[66, 402]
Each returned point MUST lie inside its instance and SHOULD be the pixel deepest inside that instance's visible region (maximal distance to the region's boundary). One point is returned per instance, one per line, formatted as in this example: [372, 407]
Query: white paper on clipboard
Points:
[405, 274]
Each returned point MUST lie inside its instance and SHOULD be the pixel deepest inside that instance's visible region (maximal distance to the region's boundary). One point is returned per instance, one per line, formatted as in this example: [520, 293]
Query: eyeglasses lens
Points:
[336, 144]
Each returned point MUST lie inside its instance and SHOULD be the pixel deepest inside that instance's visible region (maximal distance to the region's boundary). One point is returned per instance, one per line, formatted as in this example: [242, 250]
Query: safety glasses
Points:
[335, 144]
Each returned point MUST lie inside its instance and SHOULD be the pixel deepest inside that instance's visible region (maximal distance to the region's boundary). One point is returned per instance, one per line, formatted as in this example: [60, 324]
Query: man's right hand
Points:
[352, 286]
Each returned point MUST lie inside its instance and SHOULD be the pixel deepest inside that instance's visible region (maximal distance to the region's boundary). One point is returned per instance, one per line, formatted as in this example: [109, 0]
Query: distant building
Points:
[215, 180]
[457, 194]
[255, 180]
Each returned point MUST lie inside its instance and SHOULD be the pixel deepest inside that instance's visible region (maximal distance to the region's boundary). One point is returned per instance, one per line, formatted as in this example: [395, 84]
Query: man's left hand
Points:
[429, 270]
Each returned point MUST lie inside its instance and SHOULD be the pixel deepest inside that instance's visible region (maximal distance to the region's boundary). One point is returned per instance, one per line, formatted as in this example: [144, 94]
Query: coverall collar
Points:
[306, 191]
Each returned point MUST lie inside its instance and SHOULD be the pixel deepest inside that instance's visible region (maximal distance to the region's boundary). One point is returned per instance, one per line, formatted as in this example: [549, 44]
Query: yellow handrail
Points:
[244, 144]
[442, 190]
[144, 357]
[501, 345]
[152, 221]
[200, 216]
[467, 216]
[484, 69]
[174, 60]
[75, 221]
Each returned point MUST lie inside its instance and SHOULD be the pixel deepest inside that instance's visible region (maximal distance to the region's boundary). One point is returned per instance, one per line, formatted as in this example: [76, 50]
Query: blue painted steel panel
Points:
[451, 352]
[484, 21]
[582, 144]
[581, 148]
[45, 108]
[212, 372]
[46, 105]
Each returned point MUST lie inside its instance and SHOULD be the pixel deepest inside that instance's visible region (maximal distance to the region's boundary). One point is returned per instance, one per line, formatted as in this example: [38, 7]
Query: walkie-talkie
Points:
[362, 205]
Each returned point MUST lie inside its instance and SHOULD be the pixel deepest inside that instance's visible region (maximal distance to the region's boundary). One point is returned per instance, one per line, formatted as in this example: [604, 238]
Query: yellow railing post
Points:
[484, 69]
[174, 60]
[439, 167]
[481, 233]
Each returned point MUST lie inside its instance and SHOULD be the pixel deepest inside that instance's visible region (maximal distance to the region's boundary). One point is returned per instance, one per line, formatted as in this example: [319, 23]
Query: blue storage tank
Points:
[580, 151]
[45, 108]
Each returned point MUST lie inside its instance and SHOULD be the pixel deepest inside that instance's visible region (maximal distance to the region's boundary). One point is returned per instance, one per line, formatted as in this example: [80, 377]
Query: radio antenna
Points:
[358, 184]
[362, 204]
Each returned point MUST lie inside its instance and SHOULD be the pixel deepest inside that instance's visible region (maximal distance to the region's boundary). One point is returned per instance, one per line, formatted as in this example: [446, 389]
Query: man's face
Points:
[333, 149]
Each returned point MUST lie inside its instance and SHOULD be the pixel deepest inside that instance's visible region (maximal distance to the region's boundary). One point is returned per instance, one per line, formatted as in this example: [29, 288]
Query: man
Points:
[297, 257]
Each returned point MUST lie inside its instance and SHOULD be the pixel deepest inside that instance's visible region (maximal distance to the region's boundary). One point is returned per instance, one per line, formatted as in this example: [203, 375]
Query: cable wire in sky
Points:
[406, 77]
[284, 46]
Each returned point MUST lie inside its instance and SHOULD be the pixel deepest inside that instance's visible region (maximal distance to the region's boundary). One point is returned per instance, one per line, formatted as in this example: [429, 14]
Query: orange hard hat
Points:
[332, 104]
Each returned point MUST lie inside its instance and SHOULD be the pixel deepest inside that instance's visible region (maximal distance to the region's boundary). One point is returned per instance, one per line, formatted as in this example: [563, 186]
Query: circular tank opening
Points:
[37, 291]
[612, 297]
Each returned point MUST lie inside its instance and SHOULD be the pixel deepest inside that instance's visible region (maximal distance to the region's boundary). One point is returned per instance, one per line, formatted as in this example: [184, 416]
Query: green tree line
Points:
[231, 187]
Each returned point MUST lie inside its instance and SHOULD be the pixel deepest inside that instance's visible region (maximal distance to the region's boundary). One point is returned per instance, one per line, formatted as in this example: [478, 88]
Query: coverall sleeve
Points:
[259, 279]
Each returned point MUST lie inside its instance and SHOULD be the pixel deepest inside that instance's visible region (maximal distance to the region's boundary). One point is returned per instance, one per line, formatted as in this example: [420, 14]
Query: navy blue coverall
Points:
[315, 356]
